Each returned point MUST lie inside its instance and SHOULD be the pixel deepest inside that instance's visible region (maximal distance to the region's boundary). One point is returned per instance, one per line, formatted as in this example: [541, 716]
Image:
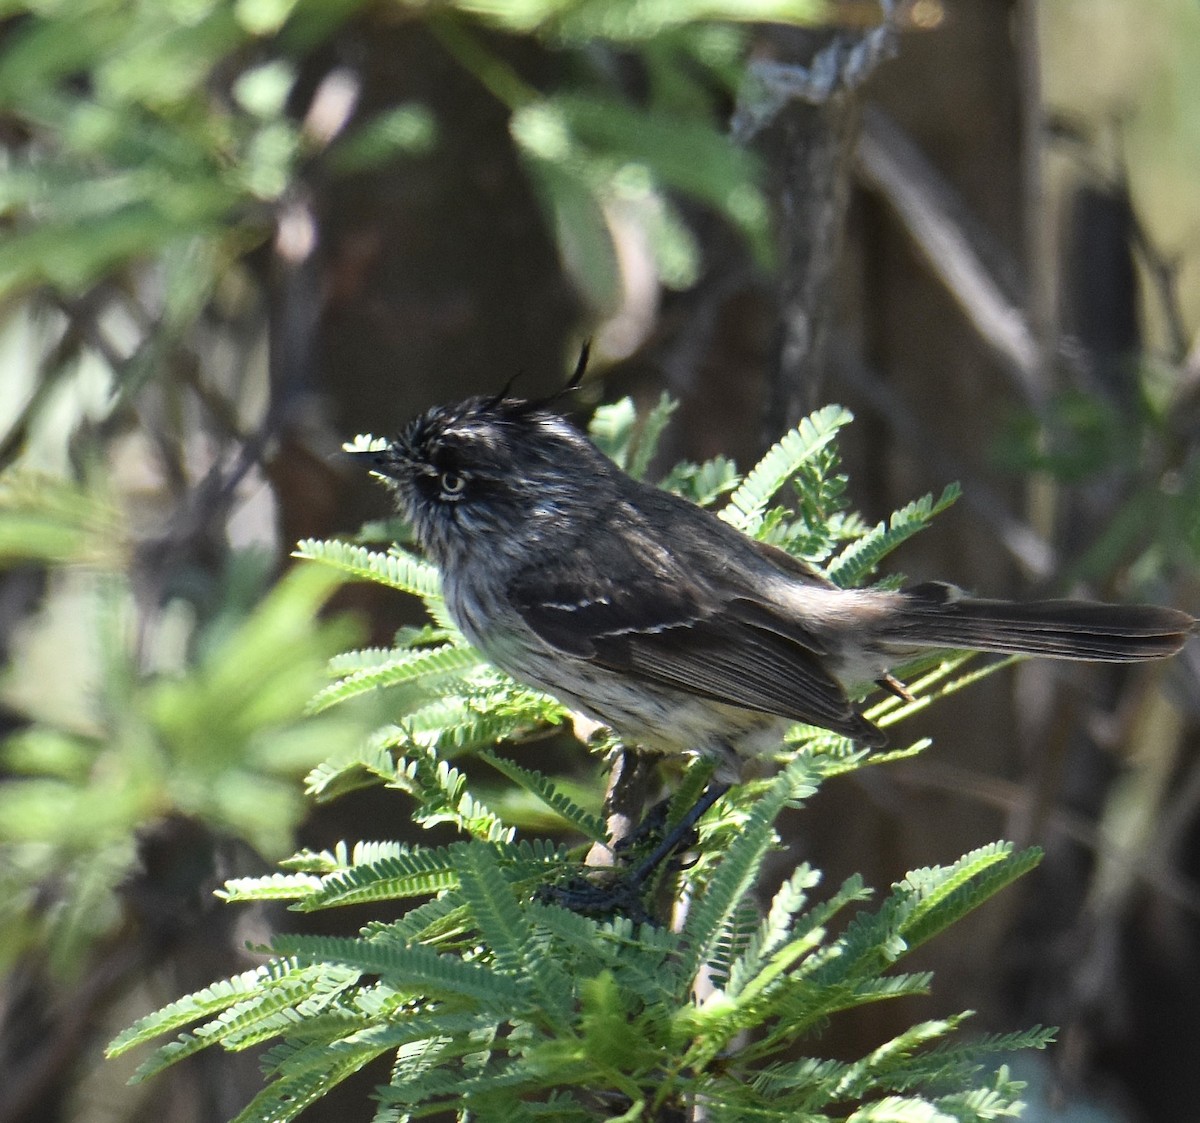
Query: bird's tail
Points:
[937, 615]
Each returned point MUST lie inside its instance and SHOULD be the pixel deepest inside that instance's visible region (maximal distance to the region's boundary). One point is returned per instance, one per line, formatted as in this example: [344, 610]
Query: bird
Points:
[651, 615]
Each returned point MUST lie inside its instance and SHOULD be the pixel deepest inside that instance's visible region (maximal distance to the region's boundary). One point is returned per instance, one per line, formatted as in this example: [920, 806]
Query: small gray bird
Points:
[655, 617]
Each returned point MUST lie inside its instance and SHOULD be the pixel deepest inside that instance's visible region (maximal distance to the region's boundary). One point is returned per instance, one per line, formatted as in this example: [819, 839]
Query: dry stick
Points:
[1040, 249]
[889, 162]
[631, 776]
[941, 229]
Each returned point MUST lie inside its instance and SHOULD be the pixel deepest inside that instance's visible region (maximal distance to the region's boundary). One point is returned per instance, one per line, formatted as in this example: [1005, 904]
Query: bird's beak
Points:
[380, 462]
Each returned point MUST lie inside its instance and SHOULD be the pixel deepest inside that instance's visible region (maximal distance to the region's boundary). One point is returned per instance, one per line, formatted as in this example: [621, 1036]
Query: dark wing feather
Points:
[576, 618]
[631, 607]
[727, 661]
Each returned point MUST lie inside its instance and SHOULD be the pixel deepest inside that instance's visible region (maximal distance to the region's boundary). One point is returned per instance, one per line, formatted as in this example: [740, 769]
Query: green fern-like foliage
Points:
[199, 718]
[491, 999]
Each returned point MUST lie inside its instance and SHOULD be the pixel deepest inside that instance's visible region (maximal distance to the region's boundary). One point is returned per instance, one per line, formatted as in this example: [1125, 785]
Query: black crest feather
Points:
[523, 406]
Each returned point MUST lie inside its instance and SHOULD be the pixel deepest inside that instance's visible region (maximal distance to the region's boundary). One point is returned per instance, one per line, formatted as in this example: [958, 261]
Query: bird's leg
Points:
[623, 893]
[894, 687]
[680, 834]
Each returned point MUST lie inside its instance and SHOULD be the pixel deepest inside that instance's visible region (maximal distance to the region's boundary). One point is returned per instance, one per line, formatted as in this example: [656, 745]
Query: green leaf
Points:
[946, 895]
[414, 873]
[45, 519]
[859, 560]
[413, 968]
[283, 1100]
[703, 483]
[684, 154]
[396, 569]
[575, 214]
[900, 1109]
[649, 434]
[508, 933]
[740, 863]
[270, 887]
[405, 130]
[589, 825]
[403, 667]
[612, 429]
[781, 462]
[634, 23]
[370, 764]
[208, 1001]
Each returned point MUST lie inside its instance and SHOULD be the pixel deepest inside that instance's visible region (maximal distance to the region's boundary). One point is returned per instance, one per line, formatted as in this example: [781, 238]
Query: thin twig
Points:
[891, 164]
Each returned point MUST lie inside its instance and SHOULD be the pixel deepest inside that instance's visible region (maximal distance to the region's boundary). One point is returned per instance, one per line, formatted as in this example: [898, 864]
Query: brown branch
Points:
[933, 217]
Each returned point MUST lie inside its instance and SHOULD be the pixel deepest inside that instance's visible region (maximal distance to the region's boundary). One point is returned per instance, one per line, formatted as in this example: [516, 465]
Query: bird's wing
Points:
[646, 617]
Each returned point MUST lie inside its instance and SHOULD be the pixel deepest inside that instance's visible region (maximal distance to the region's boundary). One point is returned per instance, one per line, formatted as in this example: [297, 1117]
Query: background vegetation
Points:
[237, 233]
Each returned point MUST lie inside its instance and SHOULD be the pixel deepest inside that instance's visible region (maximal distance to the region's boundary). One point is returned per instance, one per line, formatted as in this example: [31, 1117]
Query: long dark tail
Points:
[940, 616]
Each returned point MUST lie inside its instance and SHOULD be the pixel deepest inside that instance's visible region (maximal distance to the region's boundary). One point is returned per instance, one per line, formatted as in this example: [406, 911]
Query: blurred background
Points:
[237, 232]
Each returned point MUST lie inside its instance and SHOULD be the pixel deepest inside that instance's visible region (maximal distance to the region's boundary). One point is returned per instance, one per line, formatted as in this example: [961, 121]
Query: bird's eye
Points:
[452, 484]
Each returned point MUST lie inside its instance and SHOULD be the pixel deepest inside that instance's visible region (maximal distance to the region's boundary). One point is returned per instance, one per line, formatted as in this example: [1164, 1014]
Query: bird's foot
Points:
[622, 891]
